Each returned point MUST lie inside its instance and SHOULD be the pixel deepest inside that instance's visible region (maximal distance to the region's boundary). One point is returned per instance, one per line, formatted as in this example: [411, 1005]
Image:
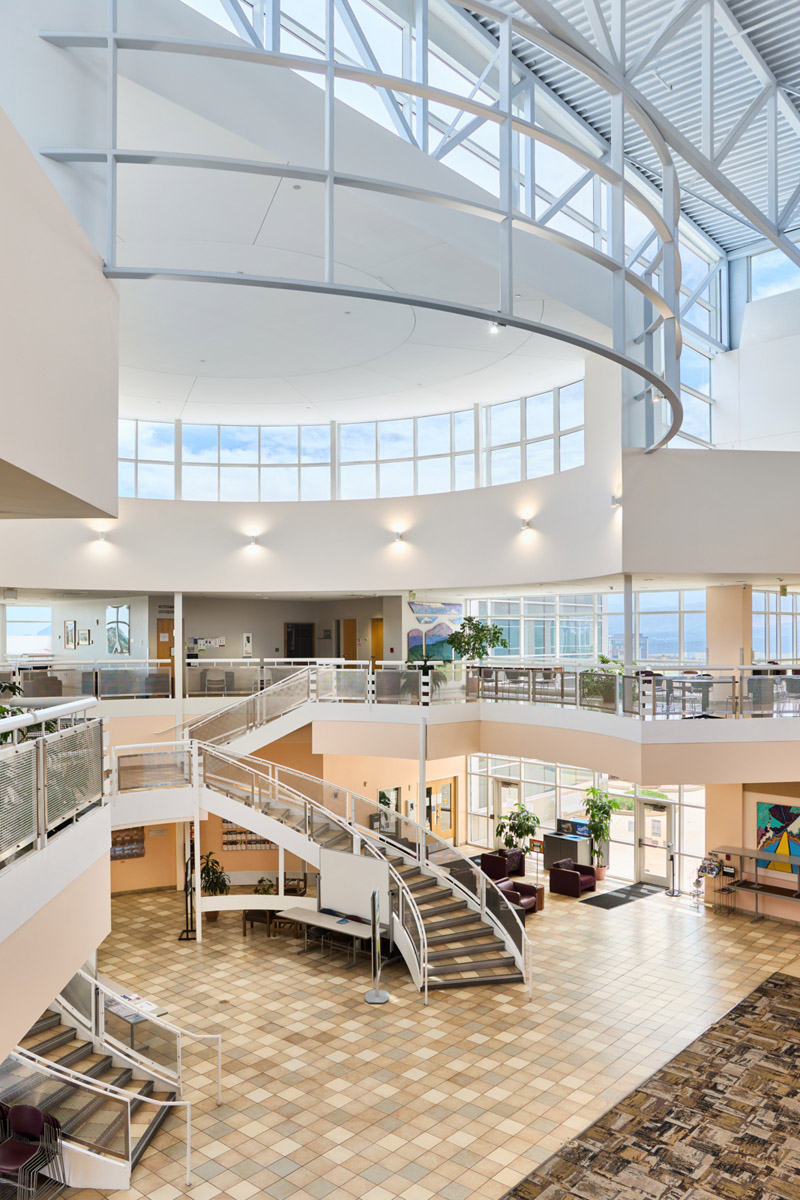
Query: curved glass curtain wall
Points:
[548, 186]
[357, 460]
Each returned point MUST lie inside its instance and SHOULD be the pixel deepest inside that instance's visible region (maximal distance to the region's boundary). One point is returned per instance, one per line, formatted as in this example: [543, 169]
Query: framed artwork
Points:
[389, 798]
[118, 628]
[415, 644]
[778, 833]
[69, 635]
[127, 843]
[436, 645]
[84, 637]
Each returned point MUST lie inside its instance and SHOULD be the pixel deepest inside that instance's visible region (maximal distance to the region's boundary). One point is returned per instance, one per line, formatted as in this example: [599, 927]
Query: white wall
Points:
[90, 613]
[755, 387]
[58, 370]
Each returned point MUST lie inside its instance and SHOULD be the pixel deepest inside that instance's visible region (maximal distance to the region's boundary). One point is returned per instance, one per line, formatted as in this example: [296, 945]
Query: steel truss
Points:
[645, 284]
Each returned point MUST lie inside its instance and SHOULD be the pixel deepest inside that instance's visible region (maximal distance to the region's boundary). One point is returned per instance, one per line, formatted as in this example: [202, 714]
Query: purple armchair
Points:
[503, 863]
[571, 879]
[521, 895]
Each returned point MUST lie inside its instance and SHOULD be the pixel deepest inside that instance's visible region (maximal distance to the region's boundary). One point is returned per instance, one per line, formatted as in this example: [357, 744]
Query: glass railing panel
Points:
[397, 686]
[322, 829]
[598, 689]
[135, 680]
[74, 766]
[17, 800]
[137, 1034]
[72, 681]
[448, 683]
[92, 1118]
[506, 917]
[154, 769]
[630, 695]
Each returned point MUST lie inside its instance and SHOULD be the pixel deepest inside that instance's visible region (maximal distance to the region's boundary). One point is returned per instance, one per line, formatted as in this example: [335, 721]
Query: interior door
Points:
[298, 640]
[655, 840]
[165, 636]
[440, 807]
[377, 639]
[349, 639]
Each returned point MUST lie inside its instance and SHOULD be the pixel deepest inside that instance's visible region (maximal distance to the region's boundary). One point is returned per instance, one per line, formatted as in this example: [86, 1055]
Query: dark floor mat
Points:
[636, 891]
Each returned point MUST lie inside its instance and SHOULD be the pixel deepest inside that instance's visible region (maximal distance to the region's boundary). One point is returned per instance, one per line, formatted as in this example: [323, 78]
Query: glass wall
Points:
[668, 626]
[776, 626]
[29, 629]
[771, 272]
[553, 790]
[410, 456]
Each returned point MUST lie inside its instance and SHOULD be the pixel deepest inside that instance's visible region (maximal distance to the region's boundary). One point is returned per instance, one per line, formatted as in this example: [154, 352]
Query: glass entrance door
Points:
[655, 841]
[506, 795]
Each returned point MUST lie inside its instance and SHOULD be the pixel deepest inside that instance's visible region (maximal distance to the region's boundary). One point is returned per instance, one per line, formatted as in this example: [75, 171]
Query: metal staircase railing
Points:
[239, 779]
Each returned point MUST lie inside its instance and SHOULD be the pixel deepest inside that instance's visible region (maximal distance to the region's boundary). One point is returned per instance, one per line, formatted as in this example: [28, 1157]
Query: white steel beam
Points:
[369, 59]
[240, 23]
[599, 28]
[747, 117]
[680, 15]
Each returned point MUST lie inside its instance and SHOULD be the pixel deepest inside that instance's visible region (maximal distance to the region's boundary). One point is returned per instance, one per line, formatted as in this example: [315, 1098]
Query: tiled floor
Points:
[325, 1095]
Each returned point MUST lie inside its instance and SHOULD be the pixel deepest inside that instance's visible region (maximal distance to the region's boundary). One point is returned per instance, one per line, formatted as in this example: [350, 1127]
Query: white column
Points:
[2, 633]
[198, 917]
[627, 620]
[423, 769]
[178, 655]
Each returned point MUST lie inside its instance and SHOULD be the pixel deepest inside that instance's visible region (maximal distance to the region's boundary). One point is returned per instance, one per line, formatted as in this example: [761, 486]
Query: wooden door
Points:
[349, 639]
[440, 807]
[377, 639]
[165, 636]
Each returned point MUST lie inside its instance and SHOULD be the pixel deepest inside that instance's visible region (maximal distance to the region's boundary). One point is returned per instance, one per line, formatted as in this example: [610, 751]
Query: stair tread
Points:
[439, 983]
[455, 968]
[452, 951]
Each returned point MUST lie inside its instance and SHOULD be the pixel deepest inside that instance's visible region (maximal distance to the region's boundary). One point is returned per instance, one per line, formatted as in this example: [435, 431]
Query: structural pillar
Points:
[627, 621]
[729, 625]
[178, 655]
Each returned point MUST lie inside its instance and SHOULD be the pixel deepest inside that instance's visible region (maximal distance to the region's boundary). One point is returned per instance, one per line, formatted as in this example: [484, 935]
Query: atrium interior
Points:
[399, 560]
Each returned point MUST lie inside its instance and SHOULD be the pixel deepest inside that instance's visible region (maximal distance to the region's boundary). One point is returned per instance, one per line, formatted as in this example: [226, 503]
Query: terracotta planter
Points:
[600, 873]
[212, 916]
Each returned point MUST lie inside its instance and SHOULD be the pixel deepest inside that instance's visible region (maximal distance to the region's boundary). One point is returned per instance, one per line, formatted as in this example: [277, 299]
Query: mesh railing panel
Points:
[139, 1034]
[97, 1120]
[167, 768]
[253, 712]
[144, 679]
[397, 686]
[211, 678]
[17, 799]
[74, 765]
[352, 684]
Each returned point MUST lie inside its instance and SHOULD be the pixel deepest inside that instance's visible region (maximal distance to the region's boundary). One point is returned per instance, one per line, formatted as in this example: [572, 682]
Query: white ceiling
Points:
[204, 352]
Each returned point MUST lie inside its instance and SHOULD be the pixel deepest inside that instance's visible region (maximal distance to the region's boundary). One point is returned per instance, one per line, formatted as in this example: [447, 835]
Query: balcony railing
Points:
[654, 692]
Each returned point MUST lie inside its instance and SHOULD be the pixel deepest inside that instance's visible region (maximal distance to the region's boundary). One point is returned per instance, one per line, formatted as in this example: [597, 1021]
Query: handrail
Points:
[40, 716]
[424, 837]
[250, 701]
[178, 1030]
[403, 889]
[56, 1071]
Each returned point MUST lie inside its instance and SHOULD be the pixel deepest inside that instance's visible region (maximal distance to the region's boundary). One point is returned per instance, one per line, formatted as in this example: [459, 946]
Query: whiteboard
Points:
[347, 881]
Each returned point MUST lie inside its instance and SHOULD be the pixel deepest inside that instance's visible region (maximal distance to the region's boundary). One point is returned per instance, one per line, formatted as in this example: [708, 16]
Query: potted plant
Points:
[599, 807]
[473, 641]
[435, 676]
[264, 887]
[517, 828]
[213, 880]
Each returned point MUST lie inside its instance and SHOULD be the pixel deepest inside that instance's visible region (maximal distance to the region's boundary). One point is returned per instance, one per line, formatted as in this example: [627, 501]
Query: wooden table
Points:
[308, 918]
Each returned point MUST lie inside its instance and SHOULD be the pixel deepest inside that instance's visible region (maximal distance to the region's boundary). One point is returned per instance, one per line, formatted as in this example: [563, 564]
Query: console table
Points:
[754, 885]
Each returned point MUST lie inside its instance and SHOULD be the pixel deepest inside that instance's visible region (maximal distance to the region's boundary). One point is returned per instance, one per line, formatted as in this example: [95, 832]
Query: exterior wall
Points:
[59, 373]
[43, 954]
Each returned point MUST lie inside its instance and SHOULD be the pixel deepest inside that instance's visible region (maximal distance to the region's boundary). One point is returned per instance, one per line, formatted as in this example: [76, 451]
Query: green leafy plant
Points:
[476, 638]
[600, 683]
[213, 880]
[599, 807]
[7, 688]
[265, 887]
[517, 827]
[435, 676]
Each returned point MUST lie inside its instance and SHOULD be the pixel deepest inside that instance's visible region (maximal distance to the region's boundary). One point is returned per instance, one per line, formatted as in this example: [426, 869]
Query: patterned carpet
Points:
[721, 1121]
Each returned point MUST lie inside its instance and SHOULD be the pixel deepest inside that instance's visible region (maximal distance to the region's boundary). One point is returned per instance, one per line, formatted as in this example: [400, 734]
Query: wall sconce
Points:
[616, 501]
[101, 536]
[398, 535]
[527, 523]
[253, 540]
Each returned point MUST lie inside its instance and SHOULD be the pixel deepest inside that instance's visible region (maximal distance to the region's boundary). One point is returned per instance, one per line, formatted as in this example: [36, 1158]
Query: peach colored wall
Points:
[64, 934]
[157, 869]
[243, 860]
[367, 775]
[366, 737]
[597, 752]
[295, 751]
[726, 762]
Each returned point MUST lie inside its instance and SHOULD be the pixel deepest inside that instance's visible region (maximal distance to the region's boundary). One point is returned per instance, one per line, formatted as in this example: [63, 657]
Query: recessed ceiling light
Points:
[296, 187]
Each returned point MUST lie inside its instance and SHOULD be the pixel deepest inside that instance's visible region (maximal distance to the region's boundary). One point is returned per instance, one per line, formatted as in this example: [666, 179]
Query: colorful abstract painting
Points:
[778, 833]
[415, 642]
[433, 608]
[436, 646]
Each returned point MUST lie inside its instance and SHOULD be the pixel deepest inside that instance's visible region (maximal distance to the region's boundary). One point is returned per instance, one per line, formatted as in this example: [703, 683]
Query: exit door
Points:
[656, 840]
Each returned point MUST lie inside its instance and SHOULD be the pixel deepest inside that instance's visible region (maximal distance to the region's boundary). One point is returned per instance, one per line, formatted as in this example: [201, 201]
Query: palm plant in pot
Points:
[213, 880]
[599, 807]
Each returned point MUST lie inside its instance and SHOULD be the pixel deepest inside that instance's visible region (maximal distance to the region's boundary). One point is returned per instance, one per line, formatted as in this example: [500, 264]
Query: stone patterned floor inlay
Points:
[718, 1121]
[326, 1096]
